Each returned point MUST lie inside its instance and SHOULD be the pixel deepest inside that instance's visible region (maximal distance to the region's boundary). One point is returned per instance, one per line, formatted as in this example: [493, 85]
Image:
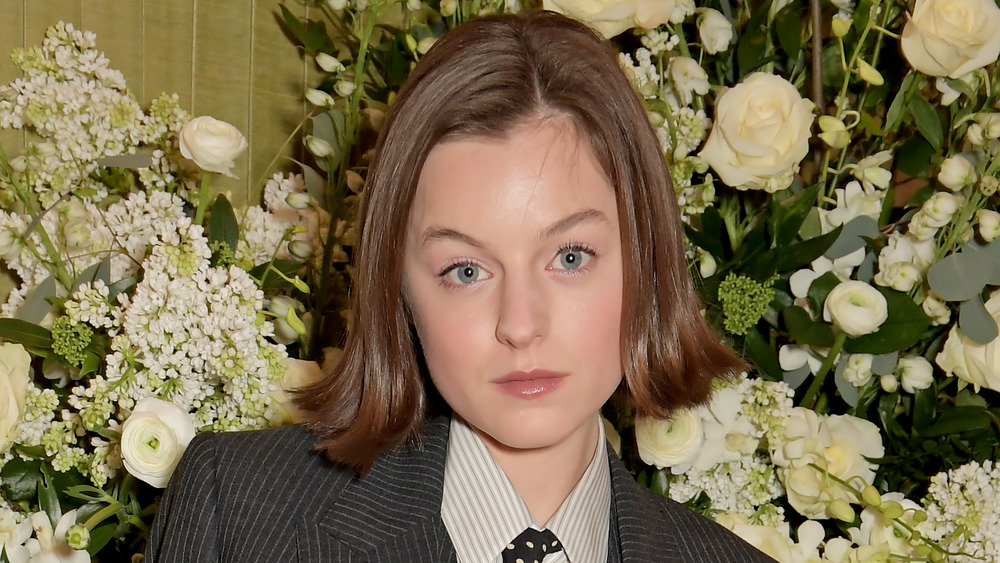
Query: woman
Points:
[520, 249]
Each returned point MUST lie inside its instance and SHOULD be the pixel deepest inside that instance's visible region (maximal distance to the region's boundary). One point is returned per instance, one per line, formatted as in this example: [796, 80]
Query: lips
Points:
[530, 384]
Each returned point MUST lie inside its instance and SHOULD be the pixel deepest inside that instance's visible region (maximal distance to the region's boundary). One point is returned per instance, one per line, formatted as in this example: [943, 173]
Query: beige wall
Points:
[224, 58]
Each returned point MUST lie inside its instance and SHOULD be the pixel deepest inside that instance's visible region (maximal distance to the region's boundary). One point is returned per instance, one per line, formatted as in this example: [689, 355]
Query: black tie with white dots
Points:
[531, 546]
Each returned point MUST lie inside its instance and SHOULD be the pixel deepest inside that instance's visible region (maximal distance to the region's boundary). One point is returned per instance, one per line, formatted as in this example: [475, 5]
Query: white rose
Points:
[715, 30]
[761, 133]
[951, 37]
[858, 371]
[688, 77]
[989, 224]
[670, 443]
[906, 248]
[856, 307]
[940, 208]
[901, 276]
[153, 439]
[212, 144]
[957, 172]
[979, 364]
[611, 17]
[15, 370]
[915, 373]
[298, 374]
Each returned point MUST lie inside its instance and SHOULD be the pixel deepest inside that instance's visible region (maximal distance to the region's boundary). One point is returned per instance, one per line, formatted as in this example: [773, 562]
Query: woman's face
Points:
[513, 272]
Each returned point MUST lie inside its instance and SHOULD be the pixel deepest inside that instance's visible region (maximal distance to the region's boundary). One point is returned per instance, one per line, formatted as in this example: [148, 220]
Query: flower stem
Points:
[199, 215]
[817, 382]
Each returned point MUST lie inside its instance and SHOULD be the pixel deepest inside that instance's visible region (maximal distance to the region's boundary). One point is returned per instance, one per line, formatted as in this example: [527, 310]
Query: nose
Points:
[523, 312]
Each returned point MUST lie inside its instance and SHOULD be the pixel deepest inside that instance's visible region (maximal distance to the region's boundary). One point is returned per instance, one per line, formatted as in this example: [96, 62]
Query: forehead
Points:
[539, 170]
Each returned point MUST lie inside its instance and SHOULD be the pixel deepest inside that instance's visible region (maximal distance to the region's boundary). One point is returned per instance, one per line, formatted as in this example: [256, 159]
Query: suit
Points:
[266, 496]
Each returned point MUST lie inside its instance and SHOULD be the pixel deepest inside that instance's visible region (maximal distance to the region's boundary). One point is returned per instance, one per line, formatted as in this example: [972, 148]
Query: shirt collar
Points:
[482, 512]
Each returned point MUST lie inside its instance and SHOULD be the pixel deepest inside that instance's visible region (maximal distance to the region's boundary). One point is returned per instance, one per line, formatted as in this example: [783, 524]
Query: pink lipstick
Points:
[530, 384]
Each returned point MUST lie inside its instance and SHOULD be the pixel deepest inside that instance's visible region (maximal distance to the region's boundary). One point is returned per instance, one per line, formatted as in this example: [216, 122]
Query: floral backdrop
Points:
[836, 166]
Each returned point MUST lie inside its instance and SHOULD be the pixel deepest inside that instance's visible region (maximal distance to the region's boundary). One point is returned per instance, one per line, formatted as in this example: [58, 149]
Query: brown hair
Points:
[482, 79]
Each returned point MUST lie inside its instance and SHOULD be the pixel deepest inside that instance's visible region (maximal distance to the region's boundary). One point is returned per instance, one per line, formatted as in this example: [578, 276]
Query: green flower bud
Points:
[319, 147]
[78, 537]
[871, 496]
[841, 510]
[891, 509]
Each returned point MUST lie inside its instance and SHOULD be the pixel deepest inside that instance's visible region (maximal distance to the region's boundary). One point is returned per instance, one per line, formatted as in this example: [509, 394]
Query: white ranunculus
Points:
[298, 374]
[688, 78]
[856, 307]
[673, 443]
[989, 224]
[858, 371]
[15, 374]
[715, 30]
[611, 17]
[761, 133]
[837, 444]
[951, 37]
[212, 144]
[153, 439]
[979, 364]
[956, 172]
[915, 373]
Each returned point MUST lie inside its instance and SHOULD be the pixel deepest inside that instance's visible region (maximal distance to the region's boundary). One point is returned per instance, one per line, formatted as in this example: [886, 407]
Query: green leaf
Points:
[19, 479]
[848, 392]
[960, 276]
[99, 537]
[787, 216]
[796, 256]
[905, 326]
[292, 23]
[819, 289]
[121, 286]
[924, 408]
[804, 330]
[796, 377]
[762, 354]
[852, 237]
[914, 157]
[37, 305]
[750, 51]
[959, 419]
[222, 225]
[315, 185]
[894, 116]
[928, 122]
[884, 364]
[711, 235]
[28, 334]
[976, 322]
[48, 496]
[99, 271]
[788, 25]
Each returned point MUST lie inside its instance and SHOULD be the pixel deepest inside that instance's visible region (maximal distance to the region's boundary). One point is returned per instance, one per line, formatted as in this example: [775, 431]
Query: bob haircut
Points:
[481, 80]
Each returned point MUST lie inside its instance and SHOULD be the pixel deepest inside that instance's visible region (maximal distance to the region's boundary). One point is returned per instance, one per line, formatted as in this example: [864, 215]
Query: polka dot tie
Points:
[531, 546]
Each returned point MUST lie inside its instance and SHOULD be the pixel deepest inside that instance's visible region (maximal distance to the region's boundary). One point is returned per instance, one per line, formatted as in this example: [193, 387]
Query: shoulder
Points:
[700, 536]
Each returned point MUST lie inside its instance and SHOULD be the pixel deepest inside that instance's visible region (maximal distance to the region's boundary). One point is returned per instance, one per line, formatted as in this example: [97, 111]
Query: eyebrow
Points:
[432, 234]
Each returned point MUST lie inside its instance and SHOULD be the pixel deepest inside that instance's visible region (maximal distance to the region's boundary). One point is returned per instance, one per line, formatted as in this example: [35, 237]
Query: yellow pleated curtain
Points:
[226, 58]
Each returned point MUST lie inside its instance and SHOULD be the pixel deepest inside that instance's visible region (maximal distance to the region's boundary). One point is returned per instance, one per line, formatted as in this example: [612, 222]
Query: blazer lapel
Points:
[642, 537]
[392, 514]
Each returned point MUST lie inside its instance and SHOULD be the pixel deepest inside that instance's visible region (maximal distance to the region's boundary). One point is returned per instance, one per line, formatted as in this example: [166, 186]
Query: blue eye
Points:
[572, 257]
[464, 274]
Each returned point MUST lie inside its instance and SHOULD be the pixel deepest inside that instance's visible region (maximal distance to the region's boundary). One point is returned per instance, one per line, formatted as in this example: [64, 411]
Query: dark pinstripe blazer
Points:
[266, 497]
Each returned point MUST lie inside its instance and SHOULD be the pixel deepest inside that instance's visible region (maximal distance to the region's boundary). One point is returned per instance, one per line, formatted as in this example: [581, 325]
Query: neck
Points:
[544, 477]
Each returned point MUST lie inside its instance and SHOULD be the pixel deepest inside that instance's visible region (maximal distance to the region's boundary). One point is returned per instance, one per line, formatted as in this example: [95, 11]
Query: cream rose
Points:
[856, 307]
[951, 37]
[298, 374]
[611, 17]
[212, 144]
[761, 133]
[154, 437]
[15, 368]
[673, 443]
[979, 364]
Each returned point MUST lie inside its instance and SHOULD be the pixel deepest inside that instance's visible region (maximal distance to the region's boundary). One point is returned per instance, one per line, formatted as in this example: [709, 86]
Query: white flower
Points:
[979, 364]
[48, 545]
[936, 309]
[957, 172]
[989, 224]
[611, 17]
[688, 78]
[876, 529]
[669, 443]
[915, 373]
[772, 541]
[298, 374]
[154, 437]
[15, 371]
[869, 170]
[13, 535]
[951, 37]
[212, 144]
[856, 307]
[792, 357]
[901, 276]
[715, 30]
[761, 133]
[858, 371]
[940, 207]
[853, 200]
[948, 94]
[965, 497]
[329, 63]
[319, 98]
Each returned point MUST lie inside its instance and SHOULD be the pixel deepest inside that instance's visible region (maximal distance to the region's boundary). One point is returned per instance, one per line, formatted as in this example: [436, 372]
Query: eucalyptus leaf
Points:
[866, 269]
[904, 327]
[23, 332]
[36, 306]
[222, 224]
[884, 364]
[121, 286]
[976, 322]
[852, 237]
[928, 122]
[134, 161]
[848, 392]
[322, 127]
[796, 377]
[315, 185]
[960, 276]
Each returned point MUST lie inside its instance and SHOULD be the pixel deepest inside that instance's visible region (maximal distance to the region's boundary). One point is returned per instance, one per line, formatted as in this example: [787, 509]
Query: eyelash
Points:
[567, 247]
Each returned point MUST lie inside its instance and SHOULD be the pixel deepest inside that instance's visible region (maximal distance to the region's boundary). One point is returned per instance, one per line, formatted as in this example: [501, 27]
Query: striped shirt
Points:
[483, 513]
